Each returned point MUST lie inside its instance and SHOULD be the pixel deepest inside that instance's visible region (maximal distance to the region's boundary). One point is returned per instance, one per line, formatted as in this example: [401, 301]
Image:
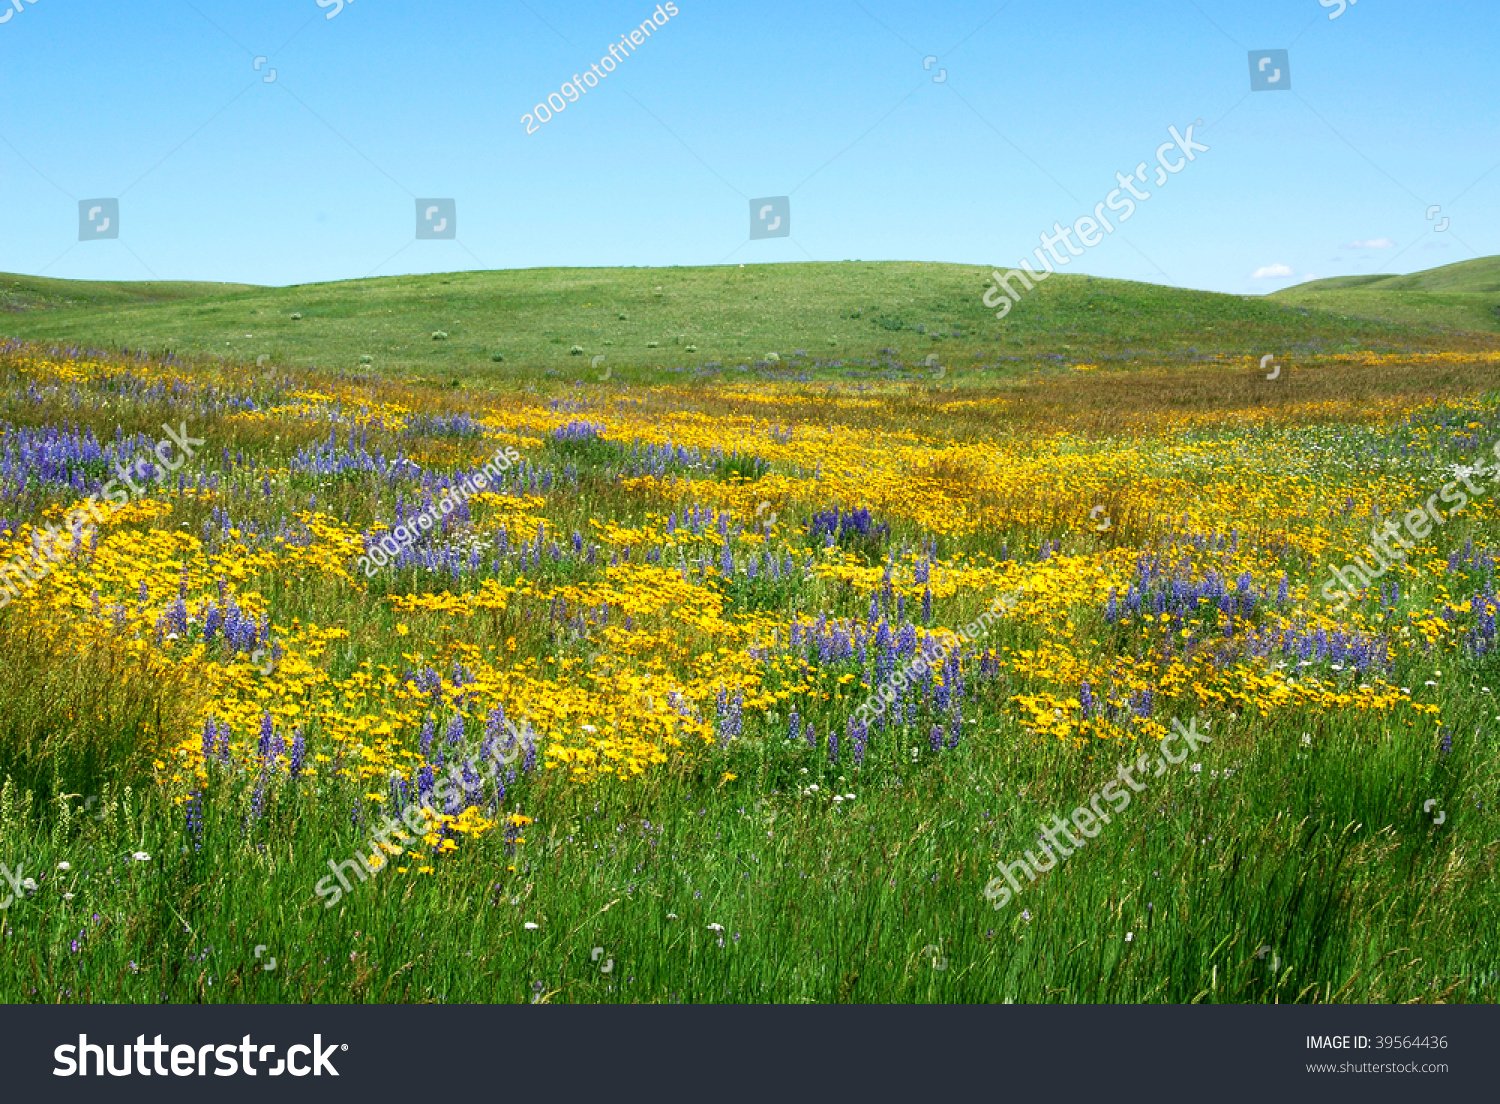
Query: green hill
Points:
[31, 293]
[681, 317]
[1463, 296]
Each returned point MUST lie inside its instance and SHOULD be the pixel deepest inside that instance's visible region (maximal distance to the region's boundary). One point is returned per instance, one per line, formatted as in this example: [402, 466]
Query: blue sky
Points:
[222, 175]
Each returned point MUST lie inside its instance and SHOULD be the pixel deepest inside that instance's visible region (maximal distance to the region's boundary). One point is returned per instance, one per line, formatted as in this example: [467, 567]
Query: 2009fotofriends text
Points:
[579, 86]
[382, 551]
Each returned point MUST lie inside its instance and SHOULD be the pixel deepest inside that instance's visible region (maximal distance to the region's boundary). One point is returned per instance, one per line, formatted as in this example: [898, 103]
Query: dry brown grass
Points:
[1104, 403]
[1108, 403]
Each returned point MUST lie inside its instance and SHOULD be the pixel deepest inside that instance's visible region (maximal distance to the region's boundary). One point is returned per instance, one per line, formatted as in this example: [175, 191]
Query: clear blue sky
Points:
[223, 176]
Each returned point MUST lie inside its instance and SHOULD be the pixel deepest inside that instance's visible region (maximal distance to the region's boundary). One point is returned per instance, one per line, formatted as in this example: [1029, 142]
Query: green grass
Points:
[1171, 902]
[39, 293]
[1463, 296]
[846, 312]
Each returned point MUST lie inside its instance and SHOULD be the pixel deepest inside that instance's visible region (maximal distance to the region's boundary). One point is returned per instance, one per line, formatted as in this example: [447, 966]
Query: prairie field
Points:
[426, 671]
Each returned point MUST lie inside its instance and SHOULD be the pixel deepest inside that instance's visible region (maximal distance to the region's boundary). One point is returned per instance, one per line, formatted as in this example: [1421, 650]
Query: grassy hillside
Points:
[682, 317]
[1463, 296]
[38, 293]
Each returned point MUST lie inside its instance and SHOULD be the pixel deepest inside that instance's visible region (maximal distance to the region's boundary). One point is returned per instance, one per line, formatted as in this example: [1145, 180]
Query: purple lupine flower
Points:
[208, 739]
[194, 812]
[494, 728]
[267, 730]
[812, 736]
[833, 747]
[927, 606]
[299, 754]
[176, 617]
[455, 731]
[858, 733]
[794, 725]
[429, 730]
[885, 653]
[729, 709]
[578, 431]
[935, 737]
[473, 785]
[258, 799]
[429, 682]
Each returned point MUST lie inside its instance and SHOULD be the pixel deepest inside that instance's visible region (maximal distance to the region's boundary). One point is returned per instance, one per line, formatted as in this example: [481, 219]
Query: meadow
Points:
[639, 651]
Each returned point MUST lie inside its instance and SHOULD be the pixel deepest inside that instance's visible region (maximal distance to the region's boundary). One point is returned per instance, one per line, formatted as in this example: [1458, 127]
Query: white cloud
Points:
[1309, 276]
[1271, 272]
[1373, 243]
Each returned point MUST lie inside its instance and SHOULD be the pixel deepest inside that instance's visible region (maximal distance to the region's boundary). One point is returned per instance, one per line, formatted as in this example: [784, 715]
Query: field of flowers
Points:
[613, 685]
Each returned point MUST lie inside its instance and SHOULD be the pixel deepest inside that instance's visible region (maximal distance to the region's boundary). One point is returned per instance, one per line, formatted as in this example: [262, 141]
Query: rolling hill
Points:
[664, 318]
[1463, 296]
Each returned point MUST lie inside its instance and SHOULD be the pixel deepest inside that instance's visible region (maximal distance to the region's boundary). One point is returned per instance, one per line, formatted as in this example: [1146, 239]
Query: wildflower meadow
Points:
[746, 681]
